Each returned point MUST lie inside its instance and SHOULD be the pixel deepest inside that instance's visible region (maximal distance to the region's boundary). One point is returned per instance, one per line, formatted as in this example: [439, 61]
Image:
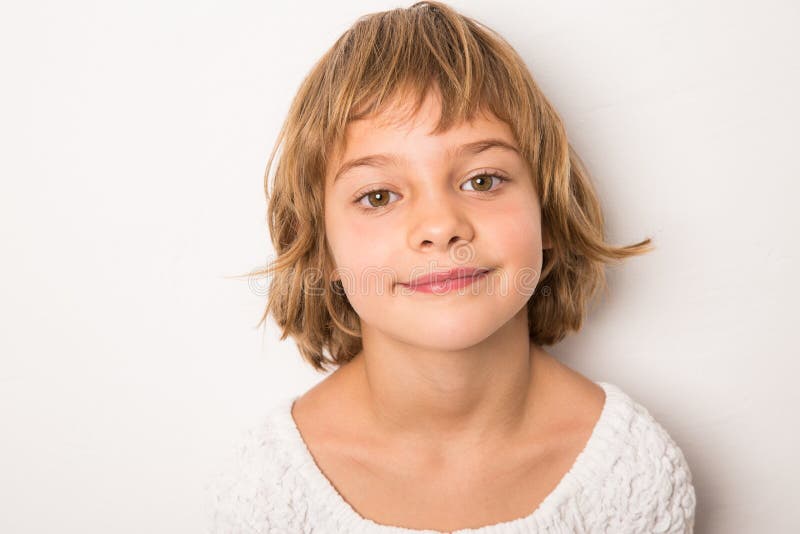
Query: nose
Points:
[439, 223]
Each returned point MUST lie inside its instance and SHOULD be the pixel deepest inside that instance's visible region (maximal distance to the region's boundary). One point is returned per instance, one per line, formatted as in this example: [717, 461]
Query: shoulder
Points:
[252, 492]
[649, 474]
[630, 463]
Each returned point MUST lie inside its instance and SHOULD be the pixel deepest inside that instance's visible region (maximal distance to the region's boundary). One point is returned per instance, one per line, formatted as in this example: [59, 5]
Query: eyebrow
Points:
[384, 160]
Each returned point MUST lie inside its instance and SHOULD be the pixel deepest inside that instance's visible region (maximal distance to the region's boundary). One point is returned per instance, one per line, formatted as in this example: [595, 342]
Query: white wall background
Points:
[135, 136]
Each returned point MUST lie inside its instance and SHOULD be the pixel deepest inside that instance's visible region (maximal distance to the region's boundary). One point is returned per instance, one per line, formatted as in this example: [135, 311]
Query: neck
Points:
[447, 401]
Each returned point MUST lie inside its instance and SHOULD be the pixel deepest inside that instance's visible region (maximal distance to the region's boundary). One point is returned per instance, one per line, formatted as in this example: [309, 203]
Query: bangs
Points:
[395, 58]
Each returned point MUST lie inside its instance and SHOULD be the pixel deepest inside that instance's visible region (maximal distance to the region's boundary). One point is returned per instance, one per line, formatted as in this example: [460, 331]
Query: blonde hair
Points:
[473, 68]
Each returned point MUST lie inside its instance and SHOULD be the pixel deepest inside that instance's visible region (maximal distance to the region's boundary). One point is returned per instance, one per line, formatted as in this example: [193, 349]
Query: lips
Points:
[452, 274]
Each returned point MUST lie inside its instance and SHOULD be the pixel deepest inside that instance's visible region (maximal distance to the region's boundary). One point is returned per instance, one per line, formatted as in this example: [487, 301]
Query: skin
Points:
[449, 417]
[445, 375]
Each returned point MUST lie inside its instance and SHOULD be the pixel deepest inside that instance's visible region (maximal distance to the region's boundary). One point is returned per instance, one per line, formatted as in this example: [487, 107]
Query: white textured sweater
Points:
[631, 477]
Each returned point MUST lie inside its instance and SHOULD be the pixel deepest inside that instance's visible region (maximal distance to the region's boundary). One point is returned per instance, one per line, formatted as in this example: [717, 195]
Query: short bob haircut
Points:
[403, 53]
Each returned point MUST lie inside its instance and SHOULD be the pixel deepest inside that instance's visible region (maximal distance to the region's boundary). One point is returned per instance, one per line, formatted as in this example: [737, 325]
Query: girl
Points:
[435, 230]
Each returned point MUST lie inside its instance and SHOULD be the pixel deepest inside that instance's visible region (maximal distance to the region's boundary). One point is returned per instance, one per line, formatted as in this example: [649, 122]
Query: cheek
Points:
[359, 240]
[518, 226]
[363, 253]
[519, 244]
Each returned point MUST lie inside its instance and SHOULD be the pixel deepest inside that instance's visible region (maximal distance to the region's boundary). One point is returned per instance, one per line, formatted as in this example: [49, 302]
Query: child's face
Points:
[433, 215]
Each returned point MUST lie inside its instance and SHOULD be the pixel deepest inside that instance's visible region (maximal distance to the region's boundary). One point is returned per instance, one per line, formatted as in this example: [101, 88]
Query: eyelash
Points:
[360, 196]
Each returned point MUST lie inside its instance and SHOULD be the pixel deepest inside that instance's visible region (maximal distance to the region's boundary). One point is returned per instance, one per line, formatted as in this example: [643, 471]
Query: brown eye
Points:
[377, 198]
[484, 182]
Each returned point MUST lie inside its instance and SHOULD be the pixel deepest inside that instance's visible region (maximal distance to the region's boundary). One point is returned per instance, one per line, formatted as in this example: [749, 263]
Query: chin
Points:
[451, 334]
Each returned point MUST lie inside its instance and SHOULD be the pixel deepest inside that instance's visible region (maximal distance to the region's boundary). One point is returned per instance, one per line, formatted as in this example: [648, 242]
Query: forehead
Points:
[396, 129]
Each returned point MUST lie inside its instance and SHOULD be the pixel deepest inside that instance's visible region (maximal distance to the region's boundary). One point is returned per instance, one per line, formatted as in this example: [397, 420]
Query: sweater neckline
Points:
[590, 466]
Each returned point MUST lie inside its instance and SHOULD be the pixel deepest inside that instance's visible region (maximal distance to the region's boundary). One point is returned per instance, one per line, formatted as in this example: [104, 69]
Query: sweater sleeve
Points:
[248, 495]
[667, 498]
[676, 510]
